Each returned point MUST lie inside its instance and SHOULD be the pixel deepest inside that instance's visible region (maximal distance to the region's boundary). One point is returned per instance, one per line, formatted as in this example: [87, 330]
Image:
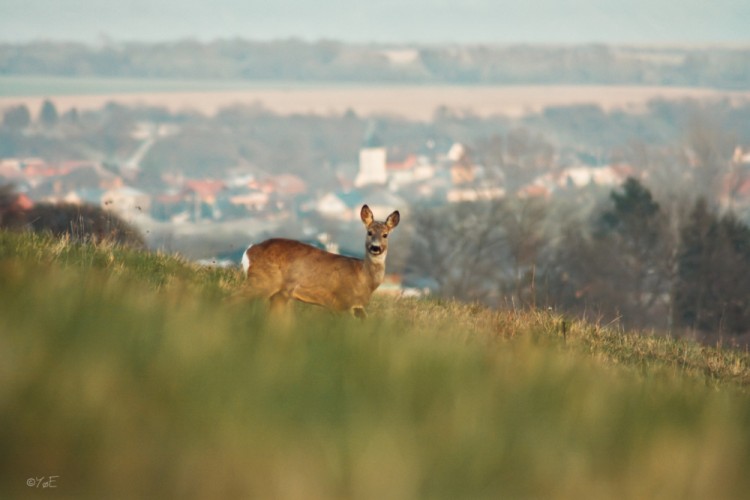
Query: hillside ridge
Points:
[118, 364]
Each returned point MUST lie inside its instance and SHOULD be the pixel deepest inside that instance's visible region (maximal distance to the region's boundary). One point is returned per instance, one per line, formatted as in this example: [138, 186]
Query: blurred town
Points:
[314, 195]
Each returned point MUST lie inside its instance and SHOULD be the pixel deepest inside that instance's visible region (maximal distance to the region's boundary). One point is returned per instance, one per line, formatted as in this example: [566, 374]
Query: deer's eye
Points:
[369, 233]
[385, 235]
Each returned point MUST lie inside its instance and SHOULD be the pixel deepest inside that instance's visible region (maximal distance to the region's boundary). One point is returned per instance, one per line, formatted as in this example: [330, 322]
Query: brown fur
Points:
[281, 269]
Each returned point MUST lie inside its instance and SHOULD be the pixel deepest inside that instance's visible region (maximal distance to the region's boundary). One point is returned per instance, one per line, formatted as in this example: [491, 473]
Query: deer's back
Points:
[297, 263]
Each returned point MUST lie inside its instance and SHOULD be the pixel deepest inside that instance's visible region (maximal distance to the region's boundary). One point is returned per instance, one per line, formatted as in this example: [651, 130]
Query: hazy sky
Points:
[427, 21]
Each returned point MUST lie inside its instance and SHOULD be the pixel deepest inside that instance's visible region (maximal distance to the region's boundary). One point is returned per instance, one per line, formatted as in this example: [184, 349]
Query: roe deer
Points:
[280, 269]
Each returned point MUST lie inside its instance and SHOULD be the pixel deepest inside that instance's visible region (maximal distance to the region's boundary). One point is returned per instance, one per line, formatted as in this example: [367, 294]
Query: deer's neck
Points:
[374, 267]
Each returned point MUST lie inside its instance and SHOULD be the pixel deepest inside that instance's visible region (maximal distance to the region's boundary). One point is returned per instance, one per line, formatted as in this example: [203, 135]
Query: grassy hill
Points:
[129, 374]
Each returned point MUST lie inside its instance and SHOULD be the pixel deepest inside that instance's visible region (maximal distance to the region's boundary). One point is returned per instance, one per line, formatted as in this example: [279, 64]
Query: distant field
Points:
[416, 102]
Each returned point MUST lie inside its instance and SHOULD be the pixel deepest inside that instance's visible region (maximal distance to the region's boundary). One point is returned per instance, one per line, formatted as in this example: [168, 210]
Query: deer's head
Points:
[376, 243]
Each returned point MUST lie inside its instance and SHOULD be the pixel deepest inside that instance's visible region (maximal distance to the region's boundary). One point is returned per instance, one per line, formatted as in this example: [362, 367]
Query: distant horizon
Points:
[107, 41]
[387, 22]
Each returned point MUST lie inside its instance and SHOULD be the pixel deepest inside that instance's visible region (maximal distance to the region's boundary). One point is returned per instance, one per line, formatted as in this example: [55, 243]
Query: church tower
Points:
[372, 159]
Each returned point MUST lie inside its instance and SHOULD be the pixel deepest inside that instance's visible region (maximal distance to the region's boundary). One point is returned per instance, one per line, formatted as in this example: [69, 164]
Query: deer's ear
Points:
[393, 219]
[366, 215]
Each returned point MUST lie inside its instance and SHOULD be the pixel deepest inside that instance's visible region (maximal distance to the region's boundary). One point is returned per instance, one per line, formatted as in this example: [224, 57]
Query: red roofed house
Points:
[204, 195]
[206, 190]
[285, 185]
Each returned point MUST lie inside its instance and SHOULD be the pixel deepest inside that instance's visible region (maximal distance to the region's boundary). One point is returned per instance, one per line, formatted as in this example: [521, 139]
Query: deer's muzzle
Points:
[375, 249]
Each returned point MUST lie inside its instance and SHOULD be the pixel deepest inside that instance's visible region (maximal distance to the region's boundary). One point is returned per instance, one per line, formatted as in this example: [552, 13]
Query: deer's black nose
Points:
[375, 249]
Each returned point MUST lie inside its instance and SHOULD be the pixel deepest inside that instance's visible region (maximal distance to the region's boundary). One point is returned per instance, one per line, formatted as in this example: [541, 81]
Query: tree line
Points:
[629, 260]
[327, 60]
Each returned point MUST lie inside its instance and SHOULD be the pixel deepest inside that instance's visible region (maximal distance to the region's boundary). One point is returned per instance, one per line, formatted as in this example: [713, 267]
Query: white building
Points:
[372, 161]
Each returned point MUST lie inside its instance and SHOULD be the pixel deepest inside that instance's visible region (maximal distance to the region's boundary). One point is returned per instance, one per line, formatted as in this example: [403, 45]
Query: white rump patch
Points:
[246, 260]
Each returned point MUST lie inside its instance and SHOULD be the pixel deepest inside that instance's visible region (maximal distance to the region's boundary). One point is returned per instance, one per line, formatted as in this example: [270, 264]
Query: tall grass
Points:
[128, 374]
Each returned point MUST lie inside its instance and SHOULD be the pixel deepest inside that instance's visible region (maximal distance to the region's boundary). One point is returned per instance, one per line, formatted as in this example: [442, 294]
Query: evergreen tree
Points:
[712, 291]
[633, 262]
[734, 255]
[48, 115]
[633, 207]
[693, 295]
[621, 268]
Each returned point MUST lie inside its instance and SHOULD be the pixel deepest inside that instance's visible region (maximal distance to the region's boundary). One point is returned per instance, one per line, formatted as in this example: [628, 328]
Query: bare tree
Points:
[523, 224]
[485, 251]
[457, 246]
[711, 148]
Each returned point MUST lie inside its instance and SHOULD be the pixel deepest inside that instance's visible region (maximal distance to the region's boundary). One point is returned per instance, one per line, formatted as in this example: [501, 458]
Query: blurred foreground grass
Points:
[133, 375]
